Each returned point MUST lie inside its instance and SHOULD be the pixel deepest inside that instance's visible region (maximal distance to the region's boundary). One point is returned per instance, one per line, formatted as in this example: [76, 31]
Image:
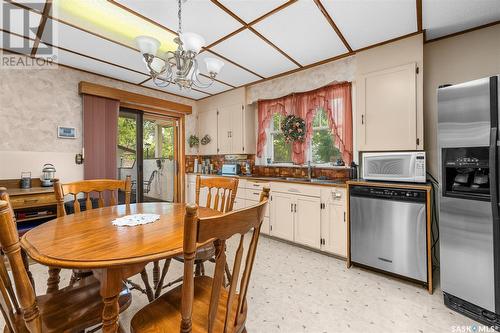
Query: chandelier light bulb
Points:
[147, 44]
[192, 42]
[214, 65]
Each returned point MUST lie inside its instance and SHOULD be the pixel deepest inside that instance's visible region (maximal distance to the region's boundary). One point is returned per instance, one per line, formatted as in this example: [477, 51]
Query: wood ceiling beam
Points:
[133, 12]
[275, 47]
[132, 98]
[487, 25]
[327, 16]
[419, 16]
[249, 27]
[102, 75]
[97, 59]
[234, 63]
[112, 41]
[41, 26]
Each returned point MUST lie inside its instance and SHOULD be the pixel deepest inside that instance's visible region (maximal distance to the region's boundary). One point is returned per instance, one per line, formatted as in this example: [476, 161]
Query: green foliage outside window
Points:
[322, 148]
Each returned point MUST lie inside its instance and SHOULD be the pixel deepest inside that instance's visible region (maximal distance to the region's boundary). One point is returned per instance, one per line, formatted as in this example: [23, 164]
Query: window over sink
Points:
[321, 151]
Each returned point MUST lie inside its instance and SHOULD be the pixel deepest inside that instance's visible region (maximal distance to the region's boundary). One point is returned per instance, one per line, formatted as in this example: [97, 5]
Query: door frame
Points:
[179, 148]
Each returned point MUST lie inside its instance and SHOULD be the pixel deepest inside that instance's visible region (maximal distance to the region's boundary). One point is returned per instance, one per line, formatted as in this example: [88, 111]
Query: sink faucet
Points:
[309, 170]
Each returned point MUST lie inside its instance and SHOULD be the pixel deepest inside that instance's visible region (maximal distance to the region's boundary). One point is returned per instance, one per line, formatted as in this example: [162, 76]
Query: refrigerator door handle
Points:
[493, 172]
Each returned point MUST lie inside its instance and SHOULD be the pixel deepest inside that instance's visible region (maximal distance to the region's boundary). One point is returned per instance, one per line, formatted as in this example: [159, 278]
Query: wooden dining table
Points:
[89, 240]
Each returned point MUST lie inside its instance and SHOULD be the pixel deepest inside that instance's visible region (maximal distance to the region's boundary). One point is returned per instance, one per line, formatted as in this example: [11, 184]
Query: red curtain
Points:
[335, 99]
[100, 135]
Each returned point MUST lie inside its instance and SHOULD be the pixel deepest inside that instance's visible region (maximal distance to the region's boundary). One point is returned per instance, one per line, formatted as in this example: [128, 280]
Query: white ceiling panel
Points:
[367, 22]
[18, 20]
[88, 44]
[230, 73]
[306, 41]
[91, 65]
[175, 90]
[250, 10]
[215, 88]
[198, 16]
[444, 17]
[250, 51]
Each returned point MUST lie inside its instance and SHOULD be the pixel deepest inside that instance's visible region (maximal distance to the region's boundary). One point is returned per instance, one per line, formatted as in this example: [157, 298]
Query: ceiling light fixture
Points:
[179, 67]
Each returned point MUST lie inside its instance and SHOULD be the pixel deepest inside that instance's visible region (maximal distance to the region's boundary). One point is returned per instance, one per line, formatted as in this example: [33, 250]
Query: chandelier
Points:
[181, 66]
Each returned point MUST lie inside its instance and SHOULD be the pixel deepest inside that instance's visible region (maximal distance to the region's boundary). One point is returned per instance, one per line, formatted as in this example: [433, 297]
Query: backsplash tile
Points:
[271, 171]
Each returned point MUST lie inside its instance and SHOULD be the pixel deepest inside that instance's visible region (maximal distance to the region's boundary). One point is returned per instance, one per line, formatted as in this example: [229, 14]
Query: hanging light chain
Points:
[179, 16]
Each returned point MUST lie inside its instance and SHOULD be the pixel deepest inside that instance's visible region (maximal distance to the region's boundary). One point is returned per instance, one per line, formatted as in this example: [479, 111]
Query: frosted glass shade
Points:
[157, 64]
[147, 45]
[192, 42]
[214, 65]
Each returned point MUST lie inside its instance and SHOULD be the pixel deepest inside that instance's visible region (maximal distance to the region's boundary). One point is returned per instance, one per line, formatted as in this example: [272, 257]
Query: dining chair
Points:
[106, 190]
[220, 195]
[71, 309]
[201, 303]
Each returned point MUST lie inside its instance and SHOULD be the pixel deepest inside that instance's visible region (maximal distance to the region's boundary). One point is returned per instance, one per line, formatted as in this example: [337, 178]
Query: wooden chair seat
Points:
[163, 314]
[73, 308]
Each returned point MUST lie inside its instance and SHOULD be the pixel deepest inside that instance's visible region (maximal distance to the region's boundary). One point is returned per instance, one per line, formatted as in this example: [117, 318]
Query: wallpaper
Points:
[34, 102]
[309, 79]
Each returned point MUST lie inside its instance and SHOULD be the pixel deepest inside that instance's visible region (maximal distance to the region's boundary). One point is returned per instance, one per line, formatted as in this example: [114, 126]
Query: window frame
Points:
[269, 147]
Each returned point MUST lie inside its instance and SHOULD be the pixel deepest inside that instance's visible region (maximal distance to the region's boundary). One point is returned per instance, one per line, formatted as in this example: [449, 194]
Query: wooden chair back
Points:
[23, 301]
[221, 228]
[222, 189]
[87, 187]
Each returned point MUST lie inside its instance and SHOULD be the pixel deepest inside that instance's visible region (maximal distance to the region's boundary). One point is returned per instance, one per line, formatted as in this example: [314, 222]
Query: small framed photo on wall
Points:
[66, 132]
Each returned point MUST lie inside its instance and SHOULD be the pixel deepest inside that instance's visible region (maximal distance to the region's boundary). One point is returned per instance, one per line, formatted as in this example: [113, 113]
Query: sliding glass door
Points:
[148, 152]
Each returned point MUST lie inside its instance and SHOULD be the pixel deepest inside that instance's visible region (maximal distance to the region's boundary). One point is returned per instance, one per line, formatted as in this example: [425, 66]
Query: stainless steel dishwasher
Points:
[388, 230]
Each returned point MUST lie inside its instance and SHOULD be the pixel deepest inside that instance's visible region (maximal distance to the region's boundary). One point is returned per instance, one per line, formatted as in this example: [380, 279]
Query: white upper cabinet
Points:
[236, 131]
[387, 116]
[207, 125]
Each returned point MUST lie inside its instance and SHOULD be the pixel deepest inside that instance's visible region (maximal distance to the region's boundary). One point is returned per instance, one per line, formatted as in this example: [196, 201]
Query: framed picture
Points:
[66, 132]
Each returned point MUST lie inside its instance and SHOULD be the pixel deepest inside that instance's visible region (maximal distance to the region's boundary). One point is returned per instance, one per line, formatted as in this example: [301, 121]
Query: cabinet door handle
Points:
[291, 207]
[344, 217]
[362, 119]
[295, 208]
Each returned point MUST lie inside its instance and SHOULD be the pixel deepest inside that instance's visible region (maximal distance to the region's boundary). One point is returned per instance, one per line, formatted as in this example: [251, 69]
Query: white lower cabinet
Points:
[239, 203]
[296, 218]
[307, 221]
[334, 221]
[282, 216]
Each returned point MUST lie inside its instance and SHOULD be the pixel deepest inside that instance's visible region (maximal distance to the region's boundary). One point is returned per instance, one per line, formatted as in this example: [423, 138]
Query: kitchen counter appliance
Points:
[231, 169]
[388, 230]
[394, 166]
[468, 152]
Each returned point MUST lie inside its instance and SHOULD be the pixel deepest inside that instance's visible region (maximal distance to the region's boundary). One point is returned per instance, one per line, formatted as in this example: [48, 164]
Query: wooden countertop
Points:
[340, 183]
[413, 186]
[29, 191]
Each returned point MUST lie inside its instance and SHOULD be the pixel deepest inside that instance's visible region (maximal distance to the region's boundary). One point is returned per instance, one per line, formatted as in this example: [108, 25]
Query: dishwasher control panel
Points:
[388, 193]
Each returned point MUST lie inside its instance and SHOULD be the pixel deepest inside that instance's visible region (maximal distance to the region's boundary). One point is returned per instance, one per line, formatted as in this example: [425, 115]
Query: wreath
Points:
[294, 129]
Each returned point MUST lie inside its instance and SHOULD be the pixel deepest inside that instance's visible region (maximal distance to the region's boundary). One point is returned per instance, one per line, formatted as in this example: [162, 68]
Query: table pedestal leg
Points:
[111, 285]
[110, 314]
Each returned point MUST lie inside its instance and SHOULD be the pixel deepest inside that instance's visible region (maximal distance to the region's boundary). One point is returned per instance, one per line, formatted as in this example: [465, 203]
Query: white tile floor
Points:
[297, 290]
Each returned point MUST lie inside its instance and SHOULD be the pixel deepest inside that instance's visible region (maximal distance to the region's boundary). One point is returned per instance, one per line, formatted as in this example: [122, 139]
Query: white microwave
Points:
[394, 166]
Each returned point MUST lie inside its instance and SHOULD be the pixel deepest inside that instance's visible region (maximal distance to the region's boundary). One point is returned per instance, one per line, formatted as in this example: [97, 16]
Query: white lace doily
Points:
[135, 219]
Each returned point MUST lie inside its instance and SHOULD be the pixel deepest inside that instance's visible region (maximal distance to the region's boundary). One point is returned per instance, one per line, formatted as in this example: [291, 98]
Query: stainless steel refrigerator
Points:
[469, 225]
